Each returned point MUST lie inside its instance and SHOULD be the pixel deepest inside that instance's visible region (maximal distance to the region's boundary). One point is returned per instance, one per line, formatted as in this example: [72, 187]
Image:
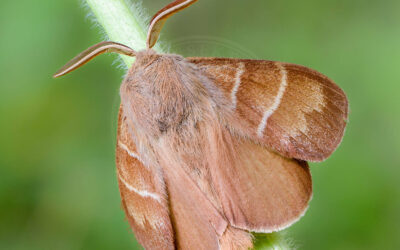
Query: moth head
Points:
[156, 24]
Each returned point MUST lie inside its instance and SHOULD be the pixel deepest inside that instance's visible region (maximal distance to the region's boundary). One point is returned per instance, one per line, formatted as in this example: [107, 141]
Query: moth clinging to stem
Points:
[211, 149]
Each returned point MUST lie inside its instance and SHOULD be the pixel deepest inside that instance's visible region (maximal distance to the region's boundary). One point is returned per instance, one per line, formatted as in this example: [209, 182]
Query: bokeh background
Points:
[58, 187]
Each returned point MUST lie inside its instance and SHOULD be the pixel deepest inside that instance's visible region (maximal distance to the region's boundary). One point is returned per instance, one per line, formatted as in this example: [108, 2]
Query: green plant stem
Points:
[273, 241]
[125, 24]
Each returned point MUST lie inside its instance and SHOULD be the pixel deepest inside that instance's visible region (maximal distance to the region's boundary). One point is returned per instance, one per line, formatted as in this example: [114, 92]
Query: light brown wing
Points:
[198, 225]
[198, 219]
[291, 109]
[260, 191]
[171, 215]
[143, 194]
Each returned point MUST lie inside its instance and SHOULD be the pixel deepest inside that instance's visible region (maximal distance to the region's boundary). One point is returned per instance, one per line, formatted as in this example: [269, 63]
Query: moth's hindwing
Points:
[143, 194]
[291, 109]
[261, 191]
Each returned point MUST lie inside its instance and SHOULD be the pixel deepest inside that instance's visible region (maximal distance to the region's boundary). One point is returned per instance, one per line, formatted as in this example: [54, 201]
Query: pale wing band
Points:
[238, 81]
[277, 101]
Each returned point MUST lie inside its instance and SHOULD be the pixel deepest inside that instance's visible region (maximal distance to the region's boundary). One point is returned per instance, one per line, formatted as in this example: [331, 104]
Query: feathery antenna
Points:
[158, 21]
[91, 53]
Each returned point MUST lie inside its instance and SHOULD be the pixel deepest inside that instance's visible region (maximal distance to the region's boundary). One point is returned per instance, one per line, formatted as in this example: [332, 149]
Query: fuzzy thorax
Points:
[164, 92]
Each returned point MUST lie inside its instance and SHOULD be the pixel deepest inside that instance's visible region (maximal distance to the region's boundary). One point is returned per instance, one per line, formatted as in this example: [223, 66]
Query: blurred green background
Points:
[58, 187]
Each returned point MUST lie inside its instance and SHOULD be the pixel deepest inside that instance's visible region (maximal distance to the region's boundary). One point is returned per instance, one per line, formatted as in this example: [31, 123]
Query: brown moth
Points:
[211, 149]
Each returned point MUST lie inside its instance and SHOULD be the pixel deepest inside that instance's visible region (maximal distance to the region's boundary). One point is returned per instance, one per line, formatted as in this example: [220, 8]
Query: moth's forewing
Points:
[177, 217]
[197, 224]
[143, 195]
[158, 20]
[291, 109]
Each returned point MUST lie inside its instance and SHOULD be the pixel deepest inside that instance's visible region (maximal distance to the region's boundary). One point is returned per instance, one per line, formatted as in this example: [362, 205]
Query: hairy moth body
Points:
[211, 149]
